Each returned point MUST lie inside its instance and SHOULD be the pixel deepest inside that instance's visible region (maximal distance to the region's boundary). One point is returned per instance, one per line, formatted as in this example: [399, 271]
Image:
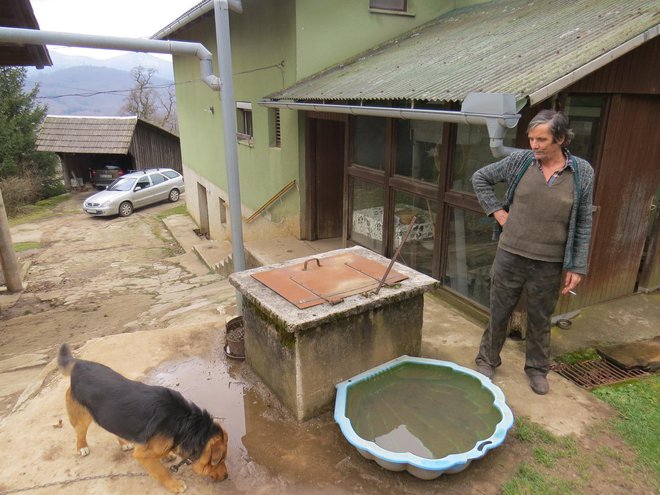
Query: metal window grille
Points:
[278, 130]
[396, 5]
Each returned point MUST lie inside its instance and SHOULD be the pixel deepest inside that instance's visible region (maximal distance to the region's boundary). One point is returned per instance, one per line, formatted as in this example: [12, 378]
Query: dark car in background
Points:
[102, 176]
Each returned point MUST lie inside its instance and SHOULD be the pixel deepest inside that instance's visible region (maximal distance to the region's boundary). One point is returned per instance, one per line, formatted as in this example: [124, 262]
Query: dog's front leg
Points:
[124, 444]
[150, 454]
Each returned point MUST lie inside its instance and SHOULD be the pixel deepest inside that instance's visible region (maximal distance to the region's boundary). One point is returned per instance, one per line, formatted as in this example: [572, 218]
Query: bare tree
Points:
[168, 118]
[142, 99]
[153, 104]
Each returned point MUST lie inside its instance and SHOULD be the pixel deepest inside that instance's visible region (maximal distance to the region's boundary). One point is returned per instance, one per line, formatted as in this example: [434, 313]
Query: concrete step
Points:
[215, 254]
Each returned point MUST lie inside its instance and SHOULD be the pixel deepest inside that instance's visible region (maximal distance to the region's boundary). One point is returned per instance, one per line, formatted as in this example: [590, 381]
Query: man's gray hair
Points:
[558, 125]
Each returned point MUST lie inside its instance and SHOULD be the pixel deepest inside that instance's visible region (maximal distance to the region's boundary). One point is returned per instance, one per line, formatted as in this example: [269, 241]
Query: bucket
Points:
[235, 338]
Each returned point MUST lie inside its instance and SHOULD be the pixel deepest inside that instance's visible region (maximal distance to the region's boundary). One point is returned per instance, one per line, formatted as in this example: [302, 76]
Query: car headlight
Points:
[105, 204]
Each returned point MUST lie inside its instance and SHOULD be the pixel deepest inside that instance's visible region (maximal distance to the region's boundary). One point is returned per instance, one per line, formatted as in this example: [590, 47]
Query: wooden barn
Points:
[85, 143]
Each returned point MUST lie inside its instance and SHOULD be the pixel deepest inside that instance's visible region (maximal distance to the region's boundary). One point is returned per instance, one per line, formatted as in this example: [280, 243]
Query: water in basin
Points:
[426, 410]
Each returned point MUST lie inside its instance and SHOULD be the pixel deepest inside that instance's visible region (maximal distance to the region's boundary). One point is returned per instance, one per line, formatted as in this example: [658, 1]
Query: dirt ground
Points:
[92, 277]
[128, 281]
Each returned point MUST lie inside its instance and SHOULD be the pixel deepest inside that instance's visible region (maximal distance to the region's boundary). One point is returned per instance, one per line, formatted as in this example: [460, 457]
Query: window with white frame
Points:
[244, 121]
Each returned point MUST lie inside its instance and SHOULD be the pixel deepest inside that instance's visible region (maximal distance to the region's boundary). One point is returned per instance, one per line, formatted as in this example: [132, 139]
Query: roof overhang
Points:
[528, 49]
[19, 14]
[192, 15]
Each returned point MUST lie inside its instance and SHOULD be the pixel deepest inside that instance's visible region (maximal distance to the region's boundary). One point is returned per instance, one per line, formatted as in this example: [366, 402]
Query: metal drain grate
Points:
[590, 374]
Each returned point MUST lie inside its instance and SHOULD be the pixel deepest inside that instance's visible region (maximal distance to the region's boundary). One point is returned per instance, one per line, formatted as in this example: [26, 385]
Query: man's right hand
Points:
[500, 216]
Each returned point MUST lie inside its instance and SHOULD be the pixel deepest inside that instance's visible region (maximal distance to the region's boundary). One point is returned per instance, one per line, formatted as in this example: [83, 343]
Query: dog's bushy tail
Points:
[65, 359]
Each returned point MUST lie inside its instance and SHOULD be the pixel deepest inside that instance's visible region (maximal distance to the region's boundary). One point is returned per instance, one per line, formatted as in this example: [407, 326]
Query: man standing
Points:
[546, 227]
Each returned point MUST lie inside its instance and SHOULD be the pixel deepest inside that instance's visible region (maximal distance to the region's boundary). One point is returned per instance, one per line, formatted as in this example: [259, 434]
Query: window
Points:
[143, 182]
[472, 153]
[274, 128]
[470, 254]
[585, 114]
[157, 178]
[223, 211]
[369, 142]
[395, 5]
[171, 174]
[419, 149]
[417, 252]
[244, 120]
[368, 203]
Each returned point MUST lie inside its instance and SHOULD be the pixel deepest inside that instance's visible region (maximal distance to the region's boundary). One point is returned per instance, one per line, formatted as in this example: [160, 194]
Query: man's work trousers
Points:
[509, 274]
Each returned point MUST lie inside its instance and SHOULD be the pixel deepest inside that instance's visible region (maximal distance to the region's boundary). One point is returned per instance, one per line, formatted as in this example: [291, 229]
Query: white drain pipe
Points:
[37, 37]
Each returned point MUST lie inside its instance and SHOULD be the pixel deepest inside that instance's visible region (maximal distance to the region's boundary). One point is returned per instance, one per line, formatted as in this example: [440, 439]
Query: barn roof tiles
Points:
[67, 134]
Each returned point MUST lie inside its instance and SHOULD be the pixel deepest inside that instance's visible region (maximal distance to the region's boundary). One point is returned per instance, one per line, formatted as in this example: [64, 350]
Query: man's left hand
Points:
[571, 282]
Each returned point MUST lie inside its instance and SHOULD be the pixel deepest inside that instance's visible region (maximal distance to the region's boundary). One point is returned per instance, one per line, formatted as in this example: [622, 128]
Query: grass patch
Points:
[177, 210]
[638, 404]
[20, 247]
[578, 356]
[38, 211]
[531, 481]
[529, 432]
[549, 452]
[548, 448]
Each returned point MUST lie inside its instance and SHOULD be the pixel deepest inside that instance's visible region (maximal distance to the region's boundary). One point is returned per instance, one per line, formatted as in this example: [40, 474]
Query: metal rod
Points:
[396, 255]
[277, 196]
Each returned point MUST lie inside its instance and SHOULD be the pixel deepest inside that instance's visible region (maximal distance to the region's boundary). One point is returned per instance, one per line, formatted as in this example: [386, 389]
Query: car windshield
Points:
[122, 184]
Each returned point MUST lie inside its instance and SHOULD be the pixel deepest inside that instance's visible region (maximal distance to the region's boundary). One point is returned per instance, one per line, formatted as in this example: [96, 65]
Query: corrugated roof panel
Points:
[63, 134]
[512, 46]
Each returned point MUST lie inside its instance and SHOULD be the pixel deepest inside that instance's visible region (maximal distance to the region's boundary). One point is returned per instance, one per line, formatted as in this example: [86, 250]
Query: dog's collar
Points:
[175, 467]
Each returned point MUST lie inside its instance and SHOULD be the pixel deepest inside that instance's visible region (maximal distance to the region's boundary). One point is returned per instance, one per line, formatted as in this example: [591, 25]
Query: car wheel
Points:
[174, 196]
[125, 209]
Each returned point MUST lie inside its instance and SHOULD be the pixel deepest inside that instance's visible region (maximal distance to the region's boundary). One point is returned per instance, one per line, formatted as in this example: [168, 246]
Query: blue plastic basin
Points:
[425, 416]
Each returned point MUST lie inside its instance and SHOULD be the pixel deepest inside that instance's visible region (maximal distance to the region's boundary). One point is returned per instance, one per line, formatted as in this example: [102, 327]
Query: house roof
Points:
[19, 14]
[65, 134]
[529, 49]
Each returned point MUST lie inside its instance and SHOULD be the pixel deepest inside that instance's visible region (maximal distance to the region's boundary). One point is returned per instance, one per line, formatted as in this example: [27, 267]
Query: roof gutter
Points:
[497, 111]
[604, 59]
[37, 37]
[195, 13]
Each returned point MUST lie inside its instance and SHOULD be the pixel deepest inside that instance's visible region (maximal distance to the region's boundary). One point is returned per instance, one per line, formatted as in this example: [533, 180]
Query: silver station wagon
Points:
[135, 190]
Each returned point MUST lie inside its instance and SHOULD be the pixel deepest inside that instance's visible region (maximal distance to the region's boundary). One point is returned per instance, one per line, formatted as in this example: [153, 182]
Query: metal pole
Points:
[223, 41]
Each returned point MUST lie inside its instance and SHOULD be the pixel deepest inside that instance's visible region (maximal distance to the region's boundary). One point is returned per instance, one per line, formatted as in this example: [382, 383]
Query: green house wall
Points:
[274, 44]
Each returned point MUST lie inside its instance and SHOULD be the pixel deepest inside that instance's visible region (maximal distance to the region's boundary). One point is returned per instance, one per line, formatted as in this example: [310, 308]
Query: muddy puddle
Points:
[267, 447]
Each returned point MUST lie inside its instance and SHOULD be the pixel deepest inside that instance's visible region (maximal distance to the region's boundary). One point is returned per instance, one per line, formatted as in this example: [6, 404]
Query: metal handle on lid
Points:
[318, 263]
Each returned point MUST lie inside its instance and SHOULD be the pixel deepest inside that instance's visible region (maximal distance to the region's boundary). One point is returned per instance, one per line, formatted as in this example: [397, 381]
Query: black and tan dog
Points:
[159, 421]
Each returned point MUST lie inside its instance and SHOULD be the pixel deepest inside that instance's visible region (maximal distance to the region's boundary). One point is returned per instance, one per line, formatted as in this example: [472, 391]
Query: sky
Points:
[125, 18]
